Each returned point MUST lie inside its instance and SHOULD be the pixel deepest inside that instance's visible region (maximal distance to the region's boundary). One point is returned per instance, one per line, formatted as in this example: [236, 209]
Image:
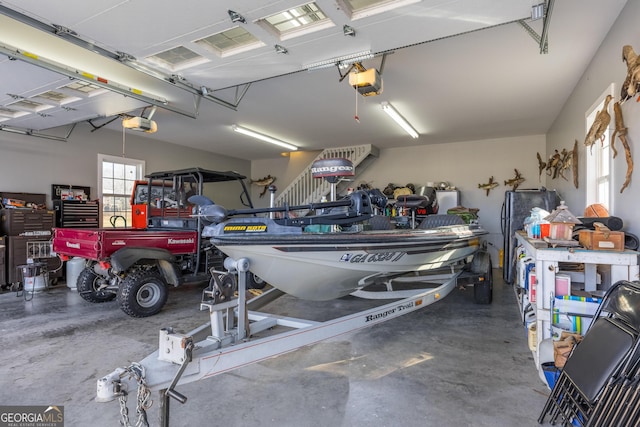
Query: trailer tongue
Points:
[236, 336]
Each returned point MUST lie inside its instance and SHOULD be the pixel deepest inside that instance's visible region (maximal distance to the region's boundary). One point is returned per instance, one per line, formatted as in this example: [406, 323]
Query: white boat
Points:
[323, 266]
[307, 264]
[328, 265]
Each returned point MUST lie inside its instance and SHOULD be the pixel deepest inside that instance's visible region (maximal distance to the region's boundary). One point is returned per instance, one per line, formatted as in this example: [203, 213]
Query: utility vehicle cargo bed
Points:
[99, 244]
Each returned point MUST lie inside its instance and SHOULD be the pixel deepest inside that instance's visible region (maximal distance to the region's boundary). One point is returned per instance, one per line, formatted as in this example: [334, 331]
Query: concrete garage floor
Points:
[453, 363]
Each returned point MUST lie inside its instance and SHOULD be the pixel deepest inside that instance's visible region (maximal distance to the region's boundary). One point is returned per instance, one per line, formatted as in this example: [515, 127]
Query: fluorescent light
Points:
[399, 119]
[263, 137]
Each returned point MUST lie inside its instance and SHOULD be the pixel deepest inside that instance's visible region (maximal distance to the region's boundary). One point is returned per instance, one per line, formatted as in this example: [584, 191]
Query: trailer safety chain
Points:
[143, 398]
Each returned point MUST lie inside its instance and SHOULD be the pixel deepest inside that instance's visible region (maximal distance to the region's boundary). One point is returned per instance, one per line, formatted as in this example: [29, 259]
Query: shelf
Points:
[619, 265]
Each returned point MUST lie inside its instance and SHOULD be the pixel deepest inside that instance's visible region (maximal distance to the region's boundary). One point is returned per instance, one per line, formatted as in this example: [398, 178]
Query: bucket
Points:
[33, 277]
[74, 267]
[34, 284]
[31, 270]
[551, 373]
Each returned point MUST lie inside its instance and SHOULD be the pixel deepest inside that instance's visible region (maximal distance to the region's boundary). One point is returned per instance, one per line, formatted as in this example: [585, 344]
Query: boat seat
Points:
[433, 221]
[380, 222]
[412, 201]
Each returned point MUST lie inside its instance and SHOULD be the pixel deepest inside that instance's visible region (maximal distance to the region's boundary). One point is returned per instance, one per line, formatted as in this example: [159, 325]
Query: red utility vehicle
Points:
[135, 265]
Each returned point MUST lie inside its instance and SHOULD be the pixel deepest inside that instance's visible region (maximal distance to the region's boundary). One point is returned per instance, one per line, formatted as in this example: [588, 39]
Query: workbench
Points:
[549, 261]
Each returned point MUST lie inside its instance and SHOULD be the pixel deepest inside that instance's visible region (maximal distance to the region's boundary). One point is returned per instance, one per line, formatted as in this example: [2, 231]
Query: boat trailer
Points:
[230, 339]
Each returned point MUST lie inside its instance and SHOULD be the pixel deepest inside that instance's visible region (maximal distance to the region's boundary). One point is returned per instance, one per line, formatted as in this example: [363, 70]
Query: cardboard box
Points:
[602, 240]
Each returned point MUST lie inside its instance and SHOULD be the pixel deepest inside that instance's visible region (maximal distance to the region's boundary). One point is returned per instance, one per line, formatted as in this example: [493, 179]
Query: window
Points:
[116, 176]
[295, 22]
[598, 158]
[357, 9]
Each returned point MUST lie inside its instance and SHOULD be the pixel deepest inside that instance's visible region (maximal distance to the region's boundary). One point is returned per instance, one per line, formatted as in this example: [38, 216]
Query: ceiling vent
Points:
[367, 83]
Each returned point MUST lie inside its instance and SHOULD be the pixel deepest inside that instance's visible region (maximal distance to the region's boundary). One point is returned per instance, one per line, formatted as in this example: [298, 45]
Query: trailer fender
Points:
[481, 263]
[124, 258]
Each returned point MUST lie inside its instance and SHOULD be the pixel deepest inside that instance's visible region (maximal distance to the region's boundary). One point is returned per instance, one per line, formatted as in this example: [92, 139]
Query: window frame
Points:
[598, 158]
[140, 172]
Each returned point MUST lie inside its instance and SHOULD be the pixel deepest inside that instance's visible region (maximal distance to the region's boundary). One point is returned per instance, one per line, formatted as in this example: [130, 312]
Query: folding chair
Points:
[606, 355]
[621, 302]
[611, 406]
[619, 403]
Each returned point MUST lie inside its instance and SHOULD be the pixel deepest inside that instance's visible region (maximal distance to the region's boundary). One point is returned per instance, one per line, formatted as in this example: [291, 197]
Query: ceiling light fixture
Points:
[537, 11]
[281, 49]
[404, 124]
[345, 60]
[348, 31]
[263, 137]
[236, 17]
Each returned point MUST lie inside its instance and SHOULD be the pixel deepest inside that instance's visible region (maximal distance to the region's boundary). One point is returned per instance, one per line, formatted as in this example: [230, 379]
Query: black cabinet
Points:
[76, 213]
[31, 222]
[21, 248]
[27, 235]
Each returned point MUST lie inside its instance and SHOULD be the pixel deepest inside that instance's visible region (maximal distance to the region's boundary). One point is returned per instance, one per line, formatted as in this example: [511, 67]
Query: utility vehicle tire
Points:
[87, 285]
[142, 293]
[255, 282]
[483, 291]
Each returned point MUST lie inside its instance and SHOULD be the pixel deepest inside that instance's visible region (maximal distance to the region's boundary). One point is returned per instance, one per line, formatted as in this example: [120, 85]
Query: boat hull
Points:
[324, 266]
